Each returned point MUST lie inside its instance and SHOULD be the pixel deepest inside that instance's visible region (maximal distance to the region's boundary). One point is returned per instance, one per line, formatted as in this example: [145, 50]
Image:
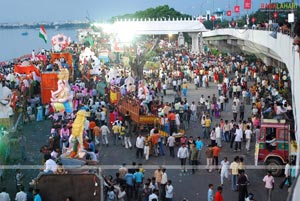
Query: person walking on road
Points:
[216, 151]
[287, 174]
[199, 146]
[269, 184]
[218, 196]
[104, 133]
[183, 154]
[242, 185]
[194, 157]
[234, 111]
[169, 191]
[22, 142]
[162, 187]
[248, 134]
[234, 167]
[210, 193]
[139, 146]
[209, 158]
[4, 196]
[127, 135]
[224, 170]
[207, 126]
[171, 144]
[238, 138]
[242, 111]
[21, 195]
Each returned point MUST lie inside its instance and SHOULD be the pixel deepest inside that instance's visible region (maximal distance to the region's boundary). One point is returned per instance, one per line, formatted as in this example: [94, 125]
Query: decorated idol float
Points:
[61, 99]
[88, 56]
[6, 109]
[55, 82]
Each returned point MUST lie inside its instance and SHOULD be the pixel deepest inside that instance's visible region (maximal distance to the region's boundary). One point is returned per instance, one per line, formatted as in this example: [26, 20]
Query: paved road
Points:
[192, 187]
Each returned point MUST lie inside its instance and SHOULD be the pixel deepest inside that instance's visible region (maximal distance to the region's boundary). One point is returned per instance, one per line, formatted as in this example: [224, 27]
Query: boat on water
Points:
[24, 33]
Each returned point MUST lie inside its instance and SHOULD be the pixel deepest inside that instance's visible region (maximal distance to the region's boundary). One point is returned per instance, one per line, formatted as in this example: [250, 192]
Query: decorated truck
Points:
[55, 187]
[128, 104]
[275, 145]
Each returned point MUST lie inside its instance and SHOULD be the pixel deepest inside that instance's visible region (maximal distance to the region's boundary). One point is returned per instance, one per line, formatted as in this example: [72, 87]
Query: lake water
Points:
[13, 44]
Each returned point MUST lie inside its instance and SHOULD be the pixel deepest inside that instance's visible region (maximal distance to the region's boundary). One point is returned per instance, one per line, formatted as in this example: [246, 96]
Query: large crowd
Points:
[239, 82]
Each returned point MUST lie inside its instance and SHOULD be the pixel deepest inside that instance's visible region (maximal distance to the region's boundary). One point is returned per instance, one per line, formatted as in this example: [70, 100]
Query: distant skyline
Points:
[21, 11]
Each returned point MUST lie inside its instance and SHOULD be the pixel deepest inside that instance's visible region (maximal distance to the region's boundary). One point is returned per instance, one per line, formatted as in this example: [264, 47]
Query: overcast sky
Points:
[27, 11]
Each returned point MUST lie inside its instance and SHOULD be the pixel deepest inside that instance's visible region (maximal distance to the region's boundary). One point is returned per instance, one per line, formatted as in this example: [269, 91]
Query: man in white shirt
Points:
[238, 138]
[222, 100]
[224, 169]
[4, 196]
[196, 82]
[202, 100]
[139, 145]
[21, 195]
[154, 195]
[169, 191]
[102, 116]
[220, 89]
[50, 165]
[174, 83]
[171, 144]
[194, 111]
[234, 111]
[164, 87]
[104, 133]
[287, 174]
[248, 134]
[163, 183]
[218, 135]
[183, 154]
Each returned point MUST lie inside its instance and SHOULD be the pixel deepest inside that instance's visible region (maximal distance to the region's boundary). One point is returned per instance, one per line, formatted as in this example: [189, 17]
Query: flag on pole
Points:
[43, 34]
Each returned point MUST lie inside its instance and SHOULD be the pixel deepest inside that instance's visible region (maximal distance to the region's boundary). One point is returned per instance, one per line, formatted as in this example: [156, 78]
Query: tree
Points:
[137, 60]
[161, 12]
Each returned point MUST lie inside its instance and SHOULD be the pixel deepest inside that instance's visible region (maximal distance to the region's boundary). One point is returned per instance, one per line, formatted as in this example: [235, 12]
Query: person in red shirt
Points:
[218, 196]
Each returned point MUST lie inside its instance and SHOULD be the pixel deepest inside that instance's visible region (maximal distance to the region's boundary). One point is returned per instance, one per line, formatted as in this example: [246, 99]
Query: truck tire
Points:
[275, 165]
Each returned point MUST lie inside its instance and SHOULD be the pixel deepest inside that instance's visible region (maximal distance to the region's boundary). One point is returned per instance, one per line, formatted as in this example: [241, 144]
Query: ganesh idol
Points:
[61, 99]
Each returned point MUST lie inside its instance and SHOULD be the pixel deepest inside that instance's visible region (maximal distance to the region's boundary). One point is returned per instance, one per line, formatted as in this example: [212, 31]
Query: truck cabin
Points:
[272, 132]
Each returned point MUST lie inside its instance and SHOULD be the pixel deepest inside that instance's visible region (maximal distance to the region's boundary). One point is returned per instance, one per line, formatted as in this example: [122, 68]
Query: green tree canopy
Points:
[160, 12]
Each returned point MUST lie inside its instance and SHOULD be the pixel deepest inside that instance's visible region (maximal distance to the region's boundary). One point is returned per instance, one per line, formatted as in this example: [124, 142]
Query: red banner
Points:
[228, 13]
[247, 4]
[27, 70]
[236, 9]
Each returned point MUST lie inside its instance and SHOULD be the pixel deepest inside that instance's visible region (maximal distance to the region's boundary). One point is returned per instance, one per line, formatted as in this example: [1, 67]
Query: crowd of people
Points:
[239, 82]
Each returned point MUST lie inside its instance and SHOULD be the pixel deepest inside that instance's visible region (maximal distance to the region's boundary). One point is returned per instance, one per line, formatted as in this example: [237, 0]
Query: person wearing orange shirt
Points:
[92, 124]
[218, 196]
[172, 117]
[97, 133]
[154, 140]
[216, 151]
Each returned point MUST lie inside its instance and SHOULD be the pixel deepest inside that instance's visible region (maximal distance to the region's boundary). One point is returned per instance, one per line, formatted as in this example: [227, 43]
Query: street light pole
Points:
[213, 14]
[292, 24]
